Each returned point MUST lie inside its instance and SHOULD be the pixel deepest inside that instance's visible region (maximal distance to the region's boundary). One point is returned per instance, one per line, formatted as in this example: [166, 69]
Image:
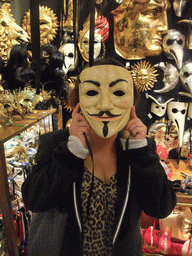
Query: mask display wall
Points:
[106, 101]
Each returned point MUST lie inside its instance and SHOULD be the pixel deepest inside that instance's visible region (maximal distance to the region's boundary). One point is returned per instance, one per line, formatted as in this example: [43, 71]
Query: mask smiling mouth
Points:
[104, 115]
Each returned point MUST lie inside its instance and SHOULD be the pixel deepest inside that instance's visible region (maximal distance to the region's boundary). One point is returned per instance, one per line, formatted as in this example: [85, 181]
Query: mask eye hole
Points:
[71, 55]
[180, 41]
[119, 93]
[186, 74]
[169, 42]
[3, 23]
[174, 110]
[92, 93]
[183, 111]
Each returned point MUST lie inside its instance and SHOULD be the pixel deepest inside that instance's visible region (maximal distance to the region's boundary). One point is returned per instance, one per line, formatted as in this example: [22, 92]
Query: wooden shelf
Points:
[183, 199]
[12, 130]
[19, 126]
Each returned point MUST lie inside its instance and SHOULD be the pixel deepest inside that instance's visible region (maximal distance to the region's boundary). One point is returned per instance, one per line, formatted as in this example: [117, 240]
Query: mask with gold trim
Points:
[100, 37]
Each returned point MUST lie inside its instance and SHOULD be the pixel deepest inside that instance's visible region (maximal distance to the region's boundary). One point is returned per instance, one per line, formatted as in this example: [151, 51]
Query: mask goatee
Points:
[105, 129]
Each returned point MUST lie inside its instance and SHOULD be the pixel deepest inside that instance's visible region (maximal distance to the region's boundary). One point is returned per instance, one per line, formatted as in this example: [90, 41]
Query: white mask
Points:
[173, 44]
[186, 75]
[68, 51]
[97, 45]
[158, 109]
[106, 98]
[176, 113]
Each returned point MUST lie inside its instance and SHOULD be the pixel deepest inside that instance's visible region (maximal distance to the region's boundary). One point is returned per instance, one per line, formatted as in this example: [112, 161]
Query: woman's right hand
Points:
[79, 126]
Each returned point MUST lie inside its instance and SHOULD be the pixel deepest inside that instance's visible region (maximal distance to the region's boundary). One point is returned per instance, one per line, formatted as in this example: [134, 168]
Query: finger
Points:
[76, 110]
[133, 113]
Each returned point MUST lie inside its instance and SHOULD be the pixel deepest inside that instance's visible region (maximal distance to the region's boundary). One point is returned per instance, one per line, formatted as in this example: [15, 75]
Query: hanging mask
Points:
[173, 44]
[10, 32]
[186, 75]
[158, 109]
[71, 59]
[177, 113]
[170, 79]
[106, 101]
[101, 35]
[138, 28]
[178, 6]
[159, 105]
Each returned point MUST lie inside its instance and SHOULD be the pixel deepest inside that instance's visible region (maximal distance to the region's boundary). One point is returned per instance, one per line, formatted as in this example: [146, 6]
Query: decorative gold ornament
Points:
[138, 28]
[144, 75]
[10, 32]
[68, 17]
[48, 24]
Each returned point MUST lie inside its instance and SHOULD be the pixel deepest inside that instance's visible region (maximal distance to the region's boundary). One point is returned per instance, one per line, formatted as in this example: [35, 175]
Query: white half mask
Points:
[106, 98]
[70, 59]
[186, 75]
[177, 113]
[158, 109]
[173, 44]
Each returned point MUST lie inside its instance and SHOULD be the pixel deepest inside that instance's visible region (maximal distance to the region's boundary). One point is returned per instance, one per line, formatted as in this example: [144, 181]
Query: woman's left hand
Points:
[135, 128]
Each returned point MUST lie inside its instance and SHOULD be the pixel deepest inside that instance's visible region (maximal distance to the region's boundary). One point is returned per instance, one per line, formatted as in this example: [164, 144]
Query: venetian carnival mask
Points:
[101, 34]
[173, 44]
[170, 79]
[186, 75]
[10, 32]
[106, 100]
[71, 59]
[177, 113]
[180, 221]
[48, 24]
[138, 28]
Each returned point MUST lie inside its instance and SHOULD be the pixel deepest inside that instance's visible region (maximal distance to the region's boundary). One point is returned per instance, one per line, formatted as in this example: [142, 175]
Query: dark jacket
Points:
[142, 185]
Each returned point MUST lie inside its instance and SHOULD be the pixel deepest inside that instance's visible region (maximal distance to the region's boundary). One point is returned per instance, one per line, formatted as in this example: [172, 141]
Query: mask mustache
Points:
[104, 112]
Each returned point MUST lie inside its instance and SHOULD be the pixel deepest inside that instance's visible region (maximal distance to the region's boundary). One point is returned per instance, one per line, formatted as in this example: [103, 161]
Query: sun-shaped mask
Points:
[144, 75]
[48, 24]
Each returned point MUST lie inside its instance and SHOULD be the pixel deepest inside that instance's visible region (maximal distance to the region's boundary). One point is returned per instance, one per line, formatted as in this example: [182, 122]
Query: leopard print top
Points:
[98, 228]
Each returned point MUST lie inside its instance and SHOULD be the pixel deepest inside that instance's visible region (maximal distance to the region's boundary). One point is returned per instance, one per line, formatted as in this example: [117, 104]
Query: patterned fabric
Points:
[98, 228]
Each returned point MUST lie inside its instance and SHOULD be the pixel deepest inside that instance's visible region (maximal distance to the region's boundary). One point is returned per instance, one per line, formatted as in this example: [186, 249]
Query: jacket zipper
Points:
[124, 207]
[76, 208]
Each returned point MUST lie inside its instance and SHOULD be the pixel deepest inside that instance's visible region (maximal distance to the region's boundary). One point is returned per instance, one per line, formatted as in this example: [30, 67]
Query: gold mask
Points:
[10, 32]
[180, 221]
[48, 24]
[138, 28]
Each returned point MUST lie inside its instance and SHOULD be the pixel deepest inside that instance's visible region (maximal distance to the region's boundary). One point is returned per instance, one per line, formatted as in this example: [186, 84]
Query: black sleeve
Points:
[53, 174]
[152, 188]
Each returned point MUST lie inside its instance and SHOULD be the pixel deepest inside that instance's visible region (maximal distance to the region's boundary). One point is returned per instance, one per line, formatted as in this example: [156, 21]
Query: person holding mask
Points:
[104, 171]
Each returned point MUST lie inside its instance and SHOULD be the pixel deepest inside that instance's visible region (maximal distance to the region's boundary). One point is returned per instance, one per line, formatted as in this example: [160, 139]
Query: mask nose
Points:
[104, 102]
